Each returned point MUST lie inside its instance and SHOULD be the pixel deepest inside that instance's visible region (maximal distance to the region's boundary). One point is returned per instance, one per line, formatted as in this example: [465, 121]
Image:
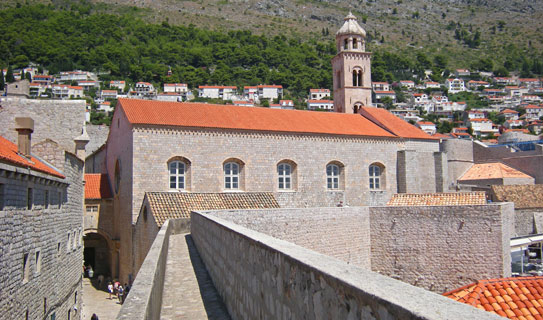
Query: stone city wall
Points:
[261, 277]
[342, 233]
[58, 120]
[441, 248]
[145, 298]
[50, 234]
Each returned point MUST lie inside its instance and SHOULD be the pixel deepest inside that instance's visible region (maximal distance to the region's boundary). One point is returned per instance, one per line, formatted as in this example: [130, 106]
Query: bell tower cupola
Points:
[352, 68]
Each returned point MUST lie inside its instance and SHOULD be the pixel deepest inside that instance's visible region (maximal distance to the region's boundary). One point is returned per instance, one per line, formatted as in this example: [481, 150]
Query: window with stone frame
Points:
[376, 176]
[177, 174]
[231, 175]
[332, 176]
[284, 174]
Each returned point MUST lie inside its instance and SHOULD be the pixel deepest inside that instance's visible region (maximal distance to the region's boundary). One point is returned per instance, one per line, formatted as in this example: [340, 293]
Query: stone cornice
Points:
[172, 130]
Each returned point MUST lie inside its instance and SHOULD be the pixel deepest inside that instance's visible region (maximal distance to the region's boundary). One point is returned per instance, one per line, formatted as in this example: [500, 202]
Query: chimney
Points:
[24, 127]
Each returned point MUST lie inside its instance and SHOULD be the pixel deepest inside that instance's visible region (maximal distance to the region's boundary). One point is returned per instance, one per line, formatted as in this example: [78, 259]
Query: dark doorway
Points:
[97, 254]
[88, 256]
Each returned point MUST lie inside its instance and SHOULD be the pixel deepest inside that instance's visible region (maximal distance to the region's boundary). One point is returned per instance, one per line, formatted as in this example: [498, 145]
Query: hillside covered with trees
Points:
[124, 46]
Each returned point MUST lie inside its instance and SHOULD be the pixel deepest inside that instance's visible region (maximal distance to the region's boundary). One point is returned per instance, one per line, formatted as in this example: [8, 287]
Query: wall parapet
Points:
[145, 298]
[259, 276]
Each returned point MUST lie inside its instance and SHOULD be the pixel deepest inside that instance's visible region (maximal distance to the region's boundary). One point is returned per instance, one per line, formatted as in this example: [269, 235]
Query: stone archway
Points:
[99, 252]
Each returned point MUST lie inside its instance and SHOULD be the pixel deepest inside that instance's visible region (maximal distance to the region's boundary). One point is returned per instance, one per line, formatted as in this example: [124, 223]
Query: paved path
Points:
[188, 290]
[97, 301]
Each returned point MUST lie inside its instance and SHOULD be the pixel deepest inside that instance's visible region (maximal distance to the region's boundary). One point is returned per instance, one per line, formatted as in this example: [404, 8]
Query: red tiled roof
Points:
[320, 101]
[217, 87]
[513, 298]
[202, 115]
[393, 124]
[317, 90]
[509, 111]
[385, 92]
[270, 86]
[494, 170]
[97, 186]
[438, 199]
[8, 153]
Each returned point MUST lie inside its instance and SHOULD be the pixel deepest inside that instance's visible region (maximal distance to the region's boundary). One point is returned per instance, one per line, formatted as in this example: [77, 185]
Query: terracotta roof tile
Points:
[477, 294]
[97, 186]
[439, 199]
[393, 124]
[524, 197]
[248, 118]
[493, 170]
[172, 205]
[9, 153]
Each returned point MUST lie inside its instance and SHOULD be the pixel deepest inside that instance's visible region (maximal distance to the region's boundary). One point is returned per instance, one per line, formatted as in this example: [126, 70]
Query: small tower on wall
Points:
[352, 68]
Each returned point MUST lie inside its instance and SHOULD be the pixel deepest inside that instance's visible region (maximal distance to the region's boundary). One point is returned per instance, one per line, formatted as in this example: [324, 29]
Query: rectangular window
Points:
[29, 198]
[91, 209]
[38, 261]
[26, 268]
[58, 249]
[46, 199]
[68, 243]
[59, 199]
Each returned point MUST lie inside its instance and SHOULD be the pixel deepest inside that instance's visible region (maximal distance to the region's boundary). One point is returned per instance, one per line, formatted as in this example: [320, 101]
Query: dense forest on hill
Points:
[123, 46]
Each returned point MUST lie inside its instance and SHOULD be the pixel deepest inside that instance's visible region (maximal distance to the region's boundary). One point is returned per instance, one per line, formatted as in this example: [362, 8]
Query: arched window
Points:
[376, 174]
[357, 78]
[356, 108]
[231, 176]
[355, 43]
[178, 170]
[286, 175]
[332, 177]
[346, 44]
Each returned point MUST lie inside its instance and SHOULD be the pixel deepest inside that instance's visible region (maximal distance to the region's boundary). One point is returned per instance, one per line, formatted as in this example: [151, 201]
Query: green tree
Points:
[2, 83]
[9, 75]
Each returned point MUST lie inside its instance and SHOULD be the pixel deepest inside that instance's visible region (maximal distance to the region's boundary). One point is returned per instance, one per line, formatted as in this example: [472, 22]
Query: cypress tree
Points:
[9, 75]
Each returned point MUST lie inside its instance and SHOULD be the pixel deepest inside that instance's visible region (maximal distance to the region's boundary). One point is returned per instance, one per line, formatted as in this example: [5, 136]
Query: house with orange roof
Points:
[380, 86]
[432, 85]
[176, 87]
[41, 217]
[379, 95]
[217, 92]
[271, 92]
[455, 85]
[427, 126]
[513, 124]
[510, 114]
[409, 84]
[218, 148]
[108, 94]
[533, 112]
[529, 98]
[144, 89]
[117, 84]
[506, 81]
[327, 105]
[482, 126]
[476, 84]
[63, 91]
[530, 82]
[493, 173]
[514, 298]
[318, 94]
[535, 126]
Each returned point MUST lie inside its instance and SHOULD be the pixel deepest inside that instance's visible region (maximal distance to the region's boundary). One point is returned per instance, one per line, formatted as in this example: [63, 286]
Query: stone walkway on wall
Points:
[97, 301]
[189, 292]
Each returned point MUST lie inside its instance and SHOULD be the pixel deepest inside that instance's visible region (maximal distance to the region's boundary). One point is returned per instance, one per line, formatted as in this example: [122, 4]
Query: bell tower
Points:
[352, 68]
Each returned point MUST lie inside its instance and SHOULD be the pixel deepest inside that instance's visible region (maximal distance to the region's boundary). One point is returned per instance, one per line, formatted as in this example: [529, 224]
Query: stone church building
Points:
[357, 156]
